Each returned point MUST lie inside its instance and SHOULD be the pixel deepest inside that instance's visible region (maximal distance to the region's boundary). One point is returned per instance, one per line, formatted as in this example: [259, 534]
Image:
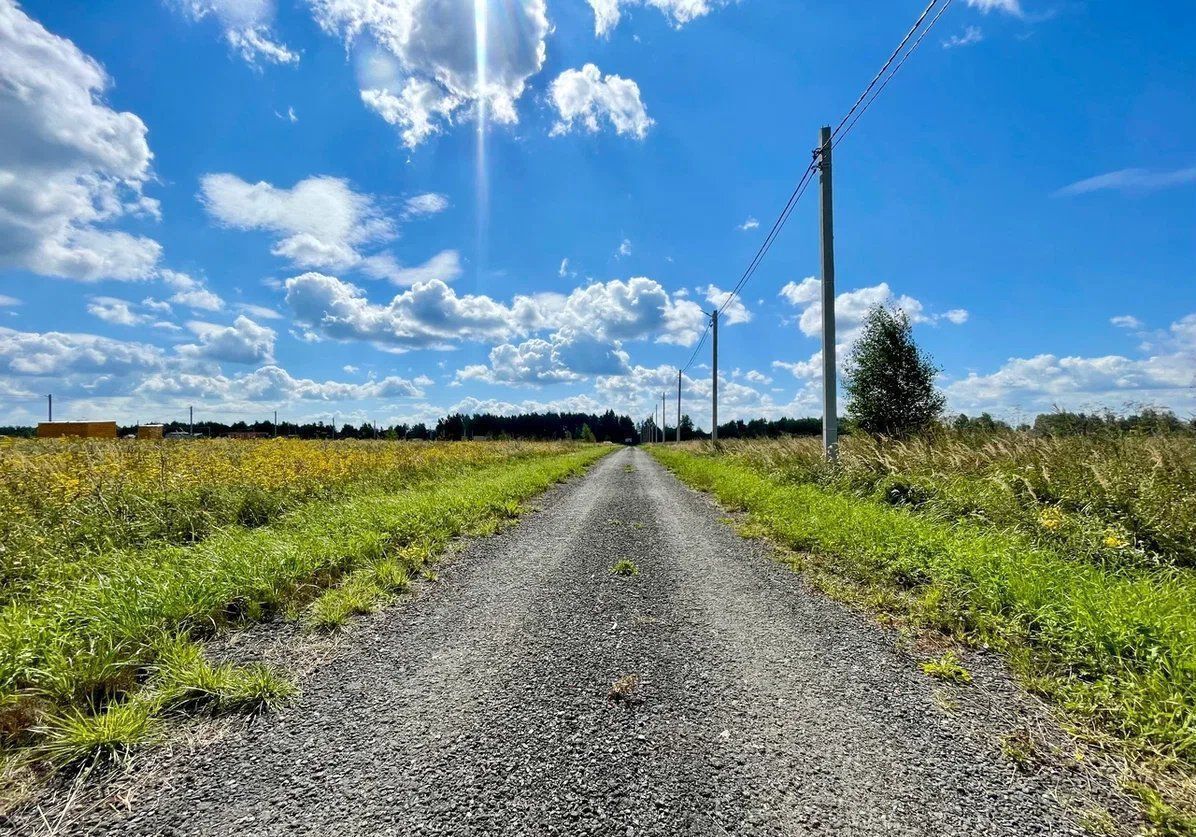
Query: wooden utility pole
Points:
[276, 423]
[664, 417]
[190, 421]
[678, 405]
[50, 408]
[830, 411]
[714, 390]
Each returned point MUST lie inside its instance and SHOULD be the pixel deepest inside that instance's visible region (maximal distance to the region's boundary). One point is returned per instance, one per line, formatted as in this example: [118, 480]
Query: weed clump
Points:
[624, 691]
[947, 667]
[625, 567]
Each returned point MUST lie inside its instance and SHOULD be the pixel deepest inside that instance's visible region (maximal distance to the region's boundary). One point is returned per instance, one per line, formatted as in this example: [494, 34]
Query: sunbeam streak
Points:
[480, 34]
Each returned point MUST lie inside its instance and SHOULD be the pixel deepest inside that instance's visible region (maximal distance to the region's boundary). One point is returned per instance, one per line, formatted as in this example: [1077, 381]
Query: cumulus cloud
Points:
[1134, 181]
[246, 25]
[1126, 321]
[592, 325]
[750, 224]
[273, 384]
[588, 98]
[69, 164]
[320, 221]
[61, 354]
[242, 342]
[607, 13]
[191, 292]
[851, 309]
[417, 64]
[427, 315]
[735, 313]
[1167, 376]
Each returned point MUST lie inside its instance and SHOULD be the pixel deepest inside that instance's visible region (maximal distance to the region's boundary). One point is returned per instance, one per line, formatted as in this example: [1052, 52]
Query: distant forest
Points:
[609, 427]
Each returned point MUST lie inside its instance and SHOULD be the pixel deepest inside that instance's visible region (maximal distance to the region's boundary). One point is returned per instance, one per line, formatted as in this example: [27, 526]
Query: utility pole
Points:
[276, 424]
[830, 411]
[50, 407]
[655, 424]
[664, 417]
[678, 405]
[714, 391]
[191, 421]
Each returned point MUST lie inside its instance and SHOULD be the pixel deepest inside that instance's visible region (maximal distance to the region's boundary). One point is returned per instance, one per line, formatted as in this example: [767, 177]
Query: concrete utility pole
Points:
[50, 408]
[714, 397]
[830, 411]
[190, 421]
[276, 423]
[678, 405]
[664, 417]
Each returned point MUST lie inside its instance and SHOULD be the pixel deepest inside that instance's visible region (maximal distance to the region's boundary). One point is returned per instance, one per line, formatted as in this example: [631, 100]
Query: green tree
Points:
[587, 435]
[890, 381]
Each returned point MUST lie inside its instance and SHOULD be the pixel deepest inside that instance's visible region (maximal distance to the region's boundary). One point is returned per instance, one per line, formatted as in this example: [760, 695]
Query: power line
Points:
[883, 69]
[861, 105]
[698, 348]
[897, 69]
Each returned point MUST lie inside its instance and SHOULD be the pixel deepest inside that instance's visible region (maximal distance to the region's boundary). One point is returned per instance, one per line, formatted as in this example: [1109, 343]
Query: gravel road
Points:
[482, 705]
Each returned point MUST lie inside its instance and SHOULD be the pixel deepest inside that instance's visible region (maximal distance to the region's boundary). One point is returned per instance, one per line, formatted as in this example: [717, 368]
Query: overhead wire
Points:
[871, 92]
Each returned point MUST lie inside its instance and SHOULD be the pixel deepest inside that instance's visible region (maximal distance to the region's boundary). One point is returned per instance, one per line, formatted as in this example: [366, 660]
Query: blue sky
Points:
[323, 206]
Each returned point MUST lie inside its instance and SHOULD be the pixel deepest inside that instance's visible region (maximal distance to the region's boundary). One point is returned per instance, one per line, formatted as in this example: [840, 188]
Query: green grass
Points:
[109, 735]
[947, 667]
[1115, 647]
[625, 567]
[74, 658]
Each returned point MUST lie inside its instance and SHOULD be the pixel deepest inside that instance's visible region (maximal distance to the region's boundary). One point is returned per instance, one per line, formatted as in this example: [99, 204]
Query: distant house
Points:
[150, 431]
[82, 429]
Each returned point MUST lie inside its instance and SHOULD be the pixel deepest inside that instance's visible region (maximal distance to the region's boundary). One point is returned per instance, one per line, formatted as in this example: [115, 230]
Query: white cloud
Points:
[191, 292]
[758, 377]
[7, 301]
[60, 354]
[247, 28]
[417, 63]
[624, 248]
[1135, 181]
[607, 13]
[735, 313]
[1126, 321]
[970, 35]
[1034, 384]
[851, 309]
[116, 311]
[243, 342]
[427, 315]
[445, 266]
[426, 204]
[1011, 7]
[69, 164]
[321, 222]
[563, 271]
[273, 384]
[750, 224]
[587, 97]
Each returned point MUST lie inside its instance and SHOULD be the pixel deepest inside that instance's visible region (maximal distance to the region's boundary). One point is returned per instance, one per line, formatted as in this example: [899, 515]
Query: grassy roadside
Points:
[88, 667]
[1114, 647]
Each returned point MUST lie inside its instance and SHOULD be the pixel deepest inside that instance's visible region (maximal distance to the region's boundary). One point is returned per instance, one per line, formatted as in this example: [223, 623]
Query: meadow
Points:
[117, 559]
[1075, 556]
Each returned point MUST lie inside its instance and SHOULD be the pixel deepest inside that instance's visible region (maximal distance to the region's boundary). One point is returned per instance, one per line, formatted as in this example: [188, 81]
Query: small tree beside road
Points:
[890, 381]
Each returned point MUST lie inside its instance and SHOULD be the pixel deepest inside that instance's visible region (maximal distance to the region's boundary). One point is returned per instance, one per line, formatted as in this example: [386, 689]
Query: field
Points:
[1075, 556]
[118, 558]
